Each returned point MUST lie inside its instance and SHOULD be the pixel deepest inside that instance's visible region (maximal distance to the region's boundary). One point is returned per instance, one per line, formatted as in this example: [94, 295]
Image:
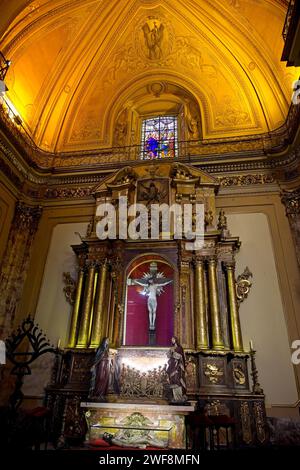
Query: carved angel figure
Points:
[153, 39]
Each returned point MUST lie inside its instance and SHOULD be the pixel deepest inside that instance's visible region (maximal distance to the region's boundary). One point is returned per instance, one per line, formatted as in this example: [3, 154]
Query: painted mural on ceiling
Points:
[85, 73]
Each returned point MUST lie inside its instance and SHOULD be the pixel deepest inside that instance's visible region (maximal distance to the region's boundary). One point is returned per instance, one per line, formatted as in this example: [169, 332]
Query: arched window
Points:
[159, 138]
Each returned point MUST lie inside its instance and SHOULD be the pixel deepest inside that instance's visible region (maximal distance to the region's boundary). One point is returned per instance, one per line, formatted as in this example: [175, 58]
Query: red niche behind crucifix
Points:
[150, 304]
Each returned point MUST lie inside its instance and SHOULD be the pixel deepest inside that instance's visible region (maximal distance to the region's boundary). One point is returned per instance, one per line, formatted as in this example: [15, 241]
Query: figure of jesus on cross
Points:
[153, 283]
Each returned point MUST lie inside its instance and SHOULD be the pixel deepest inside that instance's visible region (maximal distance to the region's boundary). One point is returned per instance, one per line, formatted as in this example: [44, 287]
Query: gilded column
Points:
[83, 335]
[236, 332]
[200, 306]
[100, 311]
[118, 280]
[217, 337]
[75, 313]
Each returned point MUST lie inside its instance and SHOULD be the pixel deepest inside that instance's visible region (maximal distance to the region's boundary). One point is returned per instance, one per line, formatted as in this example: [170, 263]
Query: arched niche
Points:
[157, 98]
[136, 327]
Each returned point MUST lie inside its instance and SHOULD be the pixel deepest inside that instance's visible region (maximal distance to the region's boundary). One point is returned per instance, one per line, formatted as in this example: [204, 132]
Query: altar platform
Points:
[164, 422]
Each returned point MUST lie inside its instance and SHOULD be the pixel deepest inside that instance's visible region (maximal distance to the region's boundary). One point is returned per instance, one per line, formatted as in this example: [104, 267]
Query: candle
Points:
[251, 345]
[58, 343]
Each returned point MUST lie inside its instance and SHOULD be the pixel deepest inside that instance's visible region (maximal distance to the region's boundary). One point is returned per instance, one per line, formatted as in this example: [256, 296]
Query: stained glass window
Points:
[159, 138]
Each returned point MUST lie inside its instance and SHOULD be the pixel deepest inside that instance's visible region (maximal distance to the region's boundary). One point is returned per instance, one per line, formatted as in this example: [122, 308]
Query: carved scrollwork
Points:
[216, 407]
[123, 177]
[243, 285]
[246, 422]
[260, 421]
[70, 287]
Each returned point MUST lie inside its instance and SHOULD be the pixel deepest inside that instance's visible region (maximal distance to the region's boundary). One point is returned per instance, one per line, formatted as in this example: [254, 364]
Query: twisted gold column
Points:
[200, 307]
[75, 313]
[236, 333]
[217, 337]
[83, 335]
[99, 320]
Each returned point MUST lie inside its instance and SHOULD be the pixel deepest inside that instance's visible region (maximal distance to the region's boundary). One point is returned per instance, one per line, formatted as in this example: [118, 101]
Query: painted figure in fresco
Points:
[100, 372]
[152, 288]
[176, 372]
[153, 39]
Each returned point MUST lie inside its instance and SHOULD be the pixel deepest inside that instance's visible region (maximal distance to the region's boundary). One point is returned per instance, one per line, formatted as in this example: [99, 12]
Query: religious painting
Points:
[149, 316]
[153, 191]
[159, 138]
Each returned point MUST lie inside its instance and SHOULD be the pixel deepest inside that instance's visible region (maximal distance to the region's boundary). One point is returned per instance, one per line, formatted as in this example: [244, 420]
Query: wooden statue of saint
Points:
[100, 372]
[176, 372]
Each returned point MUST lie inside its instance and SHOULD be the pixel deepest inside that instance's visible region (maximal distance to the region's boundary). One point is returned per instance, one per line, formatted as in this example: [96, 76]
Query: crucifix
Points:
[153, 284]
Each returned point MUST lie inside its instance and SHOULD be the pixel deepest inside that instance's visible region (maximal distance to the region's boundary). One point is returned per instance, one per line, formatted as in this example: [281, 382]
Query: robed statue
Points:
[176, 372]
[100, 372]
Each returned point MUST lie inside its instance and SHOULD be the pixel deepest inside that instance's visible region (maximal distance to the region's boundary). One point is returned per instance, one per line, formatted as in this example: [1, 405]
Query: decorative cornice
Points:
[246, 180]
[68, 193]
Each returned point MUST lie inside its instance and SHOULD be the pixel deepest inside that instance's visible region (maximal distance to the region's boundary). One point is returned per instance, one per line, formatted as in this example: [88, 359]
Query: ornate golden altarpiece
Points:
[205, 311]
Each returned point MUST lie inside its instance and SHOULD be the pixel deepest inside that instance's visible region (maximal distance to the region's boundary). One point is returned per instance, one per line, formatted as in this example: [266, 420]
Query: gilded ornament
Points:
[246, 422]
[215, 407]
[213, 372]
[243, 285]
[260, 421]
[239, 376]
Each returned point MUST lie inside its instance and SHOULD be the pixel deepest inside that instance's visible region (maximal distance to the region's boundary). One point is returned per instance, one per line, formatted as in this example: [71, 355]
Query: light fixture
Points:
[4, 66]
[18, 120]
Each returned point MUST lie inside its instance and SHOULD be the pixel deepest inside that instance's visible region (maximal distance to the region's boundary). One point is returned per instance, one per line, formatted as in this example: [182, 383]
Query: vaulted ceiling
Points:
[76, 64]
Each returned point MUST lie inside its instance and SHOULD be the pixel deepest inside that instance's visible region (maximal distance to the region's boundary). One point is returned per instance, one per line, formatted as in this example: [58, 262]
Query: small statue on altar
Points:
[222, 224]
[176, 372]
[100, 372]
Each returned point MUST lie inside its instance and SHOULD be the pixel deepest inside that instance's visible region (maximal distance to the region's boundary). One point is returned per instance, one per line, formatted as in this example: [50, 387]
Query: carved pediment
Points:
[179, 174]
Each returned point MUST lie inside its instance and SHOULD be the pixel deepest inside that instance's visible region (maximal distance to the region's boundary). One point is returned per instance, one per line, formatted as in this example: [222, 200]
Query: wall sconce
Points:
[4, 66]
[18, 120]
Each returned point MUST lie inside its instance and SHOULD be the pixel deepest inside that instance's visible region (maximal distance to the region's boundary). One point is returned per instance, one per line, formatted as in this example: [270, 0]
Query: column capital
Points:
[91, 263]
[27, 217]
[212, 259]
[229, 265]
[199, 259]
